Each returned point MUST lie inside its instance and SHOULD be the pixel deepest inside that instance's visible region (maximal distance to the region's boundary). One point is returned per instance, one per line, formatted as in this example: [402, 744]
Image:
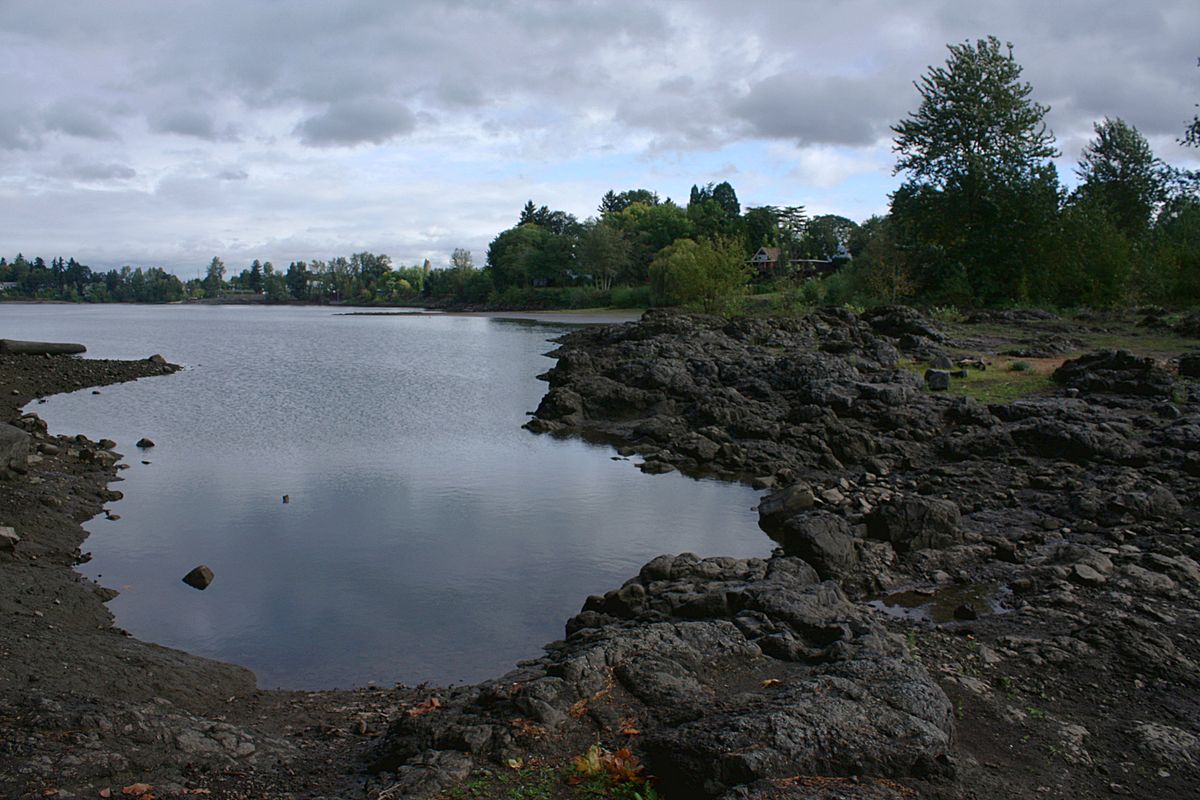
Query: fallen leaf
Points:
[579, 708]
[49, 792]
[429, 706]
[769, 682]
[527, 728]
[629, 727]
[589, 763]
[137, 789]
[515, 763]
[106, 792]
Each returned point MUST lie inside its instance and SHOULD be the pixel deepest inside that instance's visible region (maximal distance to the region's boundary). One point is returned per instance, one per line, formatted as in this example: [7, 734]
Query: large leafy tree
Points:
[981, 194]
[1119, 173]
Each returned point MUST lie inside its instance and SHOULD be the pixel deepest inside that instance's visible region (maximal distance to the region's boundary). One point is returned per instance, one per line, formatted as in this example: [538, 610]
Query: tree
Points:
[826, 235]
[461, 259]
[1191, 134]
[981, 196]
[255, 280]
[1120, 174]
[297, 280]
[710, 273]
[214, 279]
[613, 203]
[762, 227]
[604, 253]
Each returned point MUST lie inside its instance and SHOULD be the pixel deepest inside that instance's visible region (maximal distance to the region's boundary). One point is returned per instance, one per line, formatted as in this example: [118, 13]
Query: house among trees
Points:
[766, 261]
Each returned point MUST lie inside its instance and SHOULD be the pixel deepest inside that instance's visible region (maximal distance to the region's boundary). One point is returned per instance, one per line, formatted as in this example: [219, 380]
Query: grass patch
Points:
[1001, 382]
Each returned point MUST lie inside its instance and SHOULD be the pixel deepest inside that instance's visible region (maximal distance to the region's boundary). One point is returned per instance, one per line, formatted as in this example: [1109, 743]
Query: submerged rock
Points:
[199, 578]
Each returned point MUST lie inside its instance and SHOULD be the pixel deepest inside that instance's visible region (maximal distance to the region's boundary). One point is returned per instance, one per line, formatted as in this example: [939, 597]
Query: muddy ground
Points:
[971, 599]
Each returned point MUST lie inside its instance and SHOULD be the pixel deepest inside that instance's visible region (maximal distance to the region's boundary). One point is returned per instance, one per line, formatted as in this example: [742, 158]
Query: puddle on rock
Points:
[940, 604]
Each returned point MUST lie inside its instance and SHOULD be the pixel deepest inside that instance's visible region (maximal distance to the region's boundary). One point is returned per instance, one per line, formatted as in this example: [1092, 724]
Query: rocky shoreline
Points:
[969, 599]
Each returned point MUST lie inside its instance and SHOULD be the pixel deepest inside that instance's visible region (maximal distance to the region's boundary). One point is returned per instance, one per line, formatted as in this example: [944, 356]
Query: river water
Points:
[427, 536]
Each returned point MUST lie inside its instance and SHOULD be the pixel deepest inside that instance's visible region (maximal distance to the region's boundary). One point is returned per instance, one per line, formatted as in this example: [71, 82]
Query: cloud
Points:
[185, 122]
[232, 174]
[93, 171]
[821, 110]
[74, 118]
[349, 123]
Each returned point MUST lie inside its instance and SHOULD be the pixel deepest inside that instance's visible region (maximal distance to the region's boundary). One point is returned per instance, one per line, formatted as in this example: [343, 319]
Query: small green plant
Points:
[947, 314]
[1036, 712]
[1019, 366]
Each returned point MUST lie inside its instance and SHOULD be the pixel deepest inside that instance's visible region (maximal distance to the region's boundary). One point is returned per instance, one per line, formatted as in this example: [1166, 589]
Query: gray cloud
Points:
[821, 110]
[93, 171]
[356, 122]
[185, 122]
[75, 119]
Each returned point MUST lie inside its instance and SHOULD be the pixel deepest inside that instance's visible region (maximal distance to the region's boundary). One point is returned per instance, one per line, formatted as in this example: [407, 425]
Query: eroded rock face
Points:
[736, 670]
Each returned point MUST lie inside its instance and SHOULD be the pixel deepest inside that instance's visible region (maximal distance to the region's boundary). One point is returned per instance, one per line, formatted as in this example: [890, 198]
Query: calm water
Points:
[428, 536]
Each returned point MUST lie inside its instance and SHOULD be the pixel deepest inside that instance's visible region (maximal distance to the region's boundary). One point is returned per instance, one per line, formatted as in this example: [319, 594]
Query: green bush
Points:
[630, 297]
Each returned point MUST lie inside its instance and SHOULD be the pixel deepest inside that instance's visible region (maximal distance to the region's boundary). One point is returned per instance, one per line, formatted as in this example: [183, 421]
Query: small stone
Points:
[1086, 575]
[966, 612]
[144, 443]
[95, 391]
[199, 578]
[106, 444]
[942, 363]
[8, 538]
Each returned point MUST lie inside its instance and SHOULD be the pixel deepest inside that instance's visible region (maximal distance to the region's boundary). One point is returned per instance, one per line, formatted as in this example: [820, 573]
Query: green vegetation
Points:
[1003, 382]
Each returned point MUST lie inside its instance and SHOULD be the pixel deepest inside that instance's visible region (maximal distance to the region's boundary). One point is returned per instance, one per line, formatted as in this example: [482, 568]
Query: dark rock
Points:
[937, 380]
[915, 523]
[779, 505]
[1117, 372]
[8, 538]
[145, 443]
[199, 578]
[14, 448]
[966, 612]
[823, 540]
[16, 346]
[1189, 365]
[898, 321]
[942, 363]
[106, 444]
[157, 359]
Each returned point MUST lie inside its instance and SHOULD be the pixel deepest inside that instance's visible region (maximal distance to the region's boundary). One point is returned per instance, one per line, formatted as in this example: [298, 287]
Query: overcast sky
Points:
[164, 133]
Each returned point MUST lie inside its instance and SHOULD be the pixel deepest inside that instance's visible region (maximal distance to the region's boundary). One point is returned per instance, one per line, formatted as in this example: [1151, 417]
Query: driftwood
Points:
[40, 348]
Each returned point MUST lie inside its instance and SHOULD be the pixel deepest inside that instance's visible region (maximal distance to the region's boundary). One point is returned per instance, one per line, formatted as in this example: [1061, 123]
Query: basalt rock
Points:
[1117, 372]
[843, 696]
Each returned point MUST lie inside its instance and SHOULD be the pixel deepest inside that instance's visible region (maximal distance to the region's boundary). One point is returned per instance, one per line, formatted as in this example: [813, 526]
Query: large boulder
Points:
[898, 321]
[916, 523]
[779, 505]
[823, 540]
[1116, 372]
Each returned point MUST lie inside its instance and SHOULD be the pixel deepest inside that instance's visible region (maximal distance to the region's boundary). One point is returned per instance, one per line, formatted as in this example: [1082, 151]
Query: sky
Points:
[165, 133]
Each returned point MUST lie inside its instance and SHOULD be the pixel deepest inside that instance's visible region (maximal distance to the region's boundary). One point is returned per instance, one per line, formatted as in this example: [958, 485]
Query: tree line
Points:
[980, 219]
